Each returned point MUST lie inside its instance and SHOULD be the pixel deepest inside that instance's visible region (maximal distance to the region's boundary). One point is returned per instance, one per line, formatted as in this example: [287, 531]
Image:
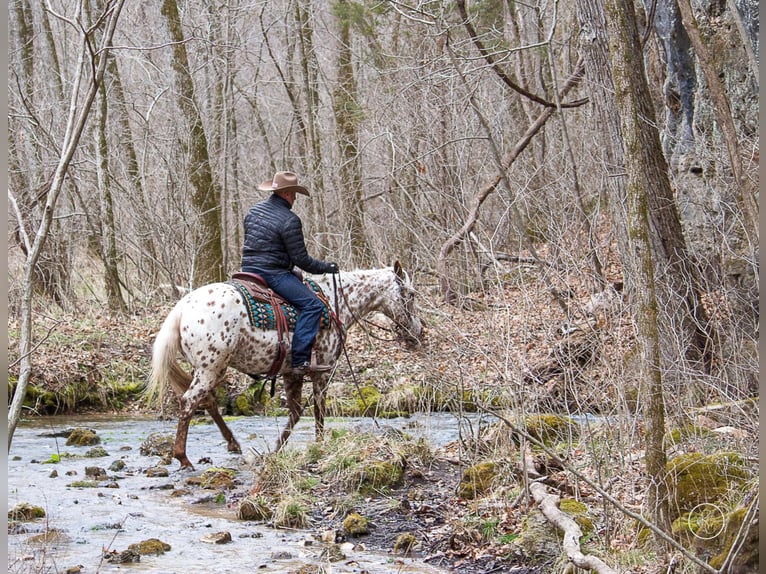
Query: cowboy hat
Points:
[283, 181]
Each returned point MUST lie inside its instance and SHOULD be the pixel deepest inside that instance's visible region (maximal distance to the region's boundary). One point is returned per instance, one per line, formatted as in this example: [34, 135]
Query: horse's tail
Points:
[165, 367]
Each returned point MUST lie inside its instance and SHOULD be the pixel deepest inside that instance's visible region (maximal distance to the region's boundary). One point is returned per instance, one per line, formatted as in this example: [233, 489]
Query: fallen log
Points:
[549, 506]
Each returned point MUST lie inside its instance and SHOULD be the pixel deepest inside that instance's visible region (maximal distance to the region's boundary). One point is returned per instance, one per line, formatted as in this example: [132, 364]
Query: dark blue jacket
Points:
[274, 240]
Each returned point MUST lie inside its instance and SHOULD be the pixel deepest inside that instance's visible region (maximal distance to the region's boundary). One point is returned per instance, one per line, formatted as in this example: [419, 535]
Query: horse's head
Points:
[400, 308]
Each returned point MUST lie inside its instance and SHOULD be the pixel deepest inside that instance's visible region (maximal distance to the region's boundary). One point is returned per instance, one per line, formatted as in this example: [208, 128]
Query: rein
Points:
[338, 288]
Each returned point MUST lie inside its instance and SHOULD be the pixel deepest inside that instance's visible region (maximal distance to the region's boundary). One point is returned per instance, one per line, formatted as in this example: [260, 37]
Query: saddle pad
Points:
[261, 315]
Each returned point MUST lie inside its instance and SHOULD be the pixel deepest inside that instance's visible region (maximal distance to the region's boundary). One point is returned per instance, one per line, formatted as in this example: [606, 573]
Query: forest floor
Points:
[512, 352]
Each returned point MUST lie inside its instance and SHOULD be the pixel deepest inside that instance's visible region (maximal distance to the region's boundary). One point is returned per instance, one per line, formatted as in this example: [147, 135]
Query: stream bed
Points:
[89, 521]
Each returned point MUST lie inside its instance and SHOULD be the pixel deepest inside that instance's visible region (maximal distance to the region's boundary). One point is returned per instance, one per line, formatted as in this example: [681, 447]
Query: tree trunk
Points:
[347, 116]
[645, 170]
[79, 111]
[107, 235]
[205, 192]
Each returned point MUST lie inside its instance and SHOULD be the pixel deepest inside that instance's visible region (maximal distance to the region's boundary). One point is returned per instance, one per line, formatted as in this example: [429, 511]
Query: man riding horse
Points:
[273, 245]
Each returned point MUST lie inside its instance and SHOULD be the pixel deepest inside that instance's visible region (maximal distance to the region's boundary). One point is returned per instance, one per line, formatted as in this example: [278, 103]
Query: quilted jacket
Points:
[274, 240]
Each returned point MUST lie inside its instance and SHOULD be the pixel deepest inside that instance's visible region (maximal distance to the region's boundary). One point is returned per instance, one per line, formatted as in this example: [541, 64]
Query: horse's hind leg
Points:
[293, 388]
[186, 411]
[212, 408]
[199, 390]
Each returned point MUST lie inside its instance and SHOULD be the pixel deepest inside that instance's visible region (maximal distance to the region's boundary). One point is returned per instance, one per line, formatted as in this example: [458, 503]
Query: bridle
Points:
[340, 292]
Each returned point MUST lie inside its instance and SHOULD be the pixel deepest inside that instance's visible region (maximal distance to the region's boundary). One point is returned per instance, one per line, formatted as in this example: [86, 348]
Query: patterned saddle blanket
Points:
[261, 311]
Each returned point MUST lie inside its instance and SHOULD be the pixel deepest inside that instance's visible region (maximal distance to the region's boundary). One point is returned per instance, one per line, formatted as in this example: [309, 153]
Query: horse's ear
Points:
[398, 270]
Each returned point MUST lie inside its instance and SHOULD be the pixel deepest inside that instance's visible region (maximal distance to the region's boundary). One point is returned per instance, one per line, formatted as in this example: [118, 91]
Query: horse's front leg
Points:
[293, 389]
[212, 408]
[320, 381]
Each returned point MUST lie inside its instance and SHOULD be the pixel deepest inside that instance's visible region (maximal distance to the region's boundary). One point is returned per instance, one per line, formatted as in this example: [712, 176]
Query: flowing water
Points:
[94, 519]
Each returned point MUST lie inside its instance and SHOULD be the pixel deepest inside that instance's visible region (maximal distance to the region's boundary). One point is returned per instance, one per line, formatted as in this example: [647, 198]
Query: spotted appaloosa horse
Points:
[211, 329]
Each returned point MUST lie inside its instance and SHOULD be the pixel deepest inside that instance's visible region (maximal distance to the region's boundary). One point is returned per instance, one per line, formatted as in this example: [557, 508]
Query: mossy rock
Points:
[82, 437]
[404, 543]
[579, 512]
[538, 539]
[356, 525]
[694, 478]
[551, 429]
[477, 480]
[244, 405]
[24, 512]
[681, 434]
[374, 476]
[96, 452]
[218, 478]
[151, 546]
[747, 558]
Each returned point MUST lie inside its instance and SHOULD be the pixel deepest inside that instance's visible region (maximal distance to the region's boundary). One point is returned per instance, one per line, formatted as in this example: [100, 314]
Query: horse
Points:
[210, 328]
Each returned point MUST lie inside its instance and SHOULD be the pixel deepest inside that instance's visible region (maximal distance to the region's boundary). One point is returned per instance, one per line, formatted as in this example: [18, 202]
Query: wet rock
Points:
[117, 465]
[331, 536]
[218, 478]
[158, 444]
[333, 553]
[54, 474]
[24, 511]
[74, 569]
[50, 536]
[254, 509]
[356, 525]
[150, 546]
[281, 555]
[95, 472]
[157, 471]
[82, 437]
[223, 537]
[96, 452]
[124, 557]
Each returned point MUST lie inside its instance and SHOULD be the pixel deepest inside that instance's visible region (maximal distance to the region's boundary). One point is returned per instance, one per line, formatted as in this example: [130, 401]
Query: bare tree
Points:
[89, 73]
[205, 191]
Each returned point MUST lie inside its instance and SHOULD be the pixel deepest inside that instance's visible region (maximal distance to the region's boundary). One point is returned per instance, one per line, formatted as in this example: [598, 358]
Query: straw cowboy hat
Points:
[283, 181]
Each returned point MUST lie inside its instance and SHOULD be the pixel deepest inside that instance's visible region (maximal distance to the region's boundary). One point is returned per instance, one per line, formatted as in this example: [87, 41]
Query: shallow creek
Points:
[93, 519]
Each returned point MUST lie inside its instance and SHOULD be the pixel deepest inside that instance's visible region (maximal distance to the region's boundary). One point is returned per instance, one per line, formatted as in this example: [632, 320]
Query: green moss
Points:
[96, 452]
[218, 478]
[25, 512]
[151, 546]
[356, 525]
[83, 484]
[551, 429]
[82, 437]
[695, 478]
[680, 434]
[244, 405]
[476, 480]
[374, 476]
[579, 512]
[748, 555]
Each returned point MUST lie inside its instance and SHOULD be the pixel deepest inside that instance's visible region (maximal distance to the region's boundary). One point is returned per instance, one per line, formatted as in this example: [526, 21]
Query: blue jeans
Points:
[310, 309]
